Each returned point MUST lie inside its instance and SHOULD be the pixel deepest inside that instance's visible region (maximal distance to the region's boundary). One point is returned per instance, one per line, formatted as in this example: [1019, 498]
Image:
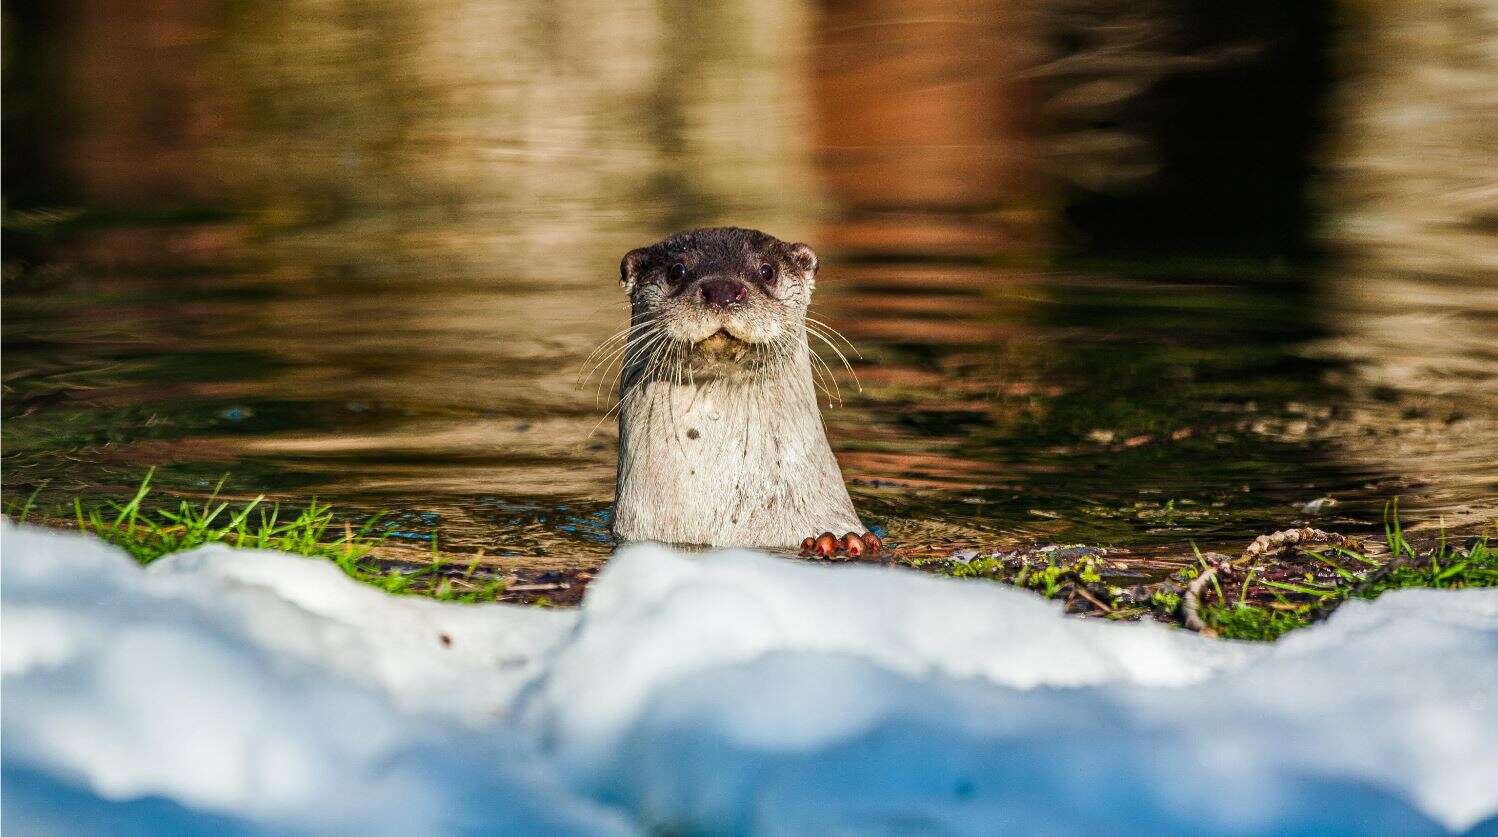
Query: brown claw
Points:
[871, 542]
[808, 546]
[826, 545]
[853, 545]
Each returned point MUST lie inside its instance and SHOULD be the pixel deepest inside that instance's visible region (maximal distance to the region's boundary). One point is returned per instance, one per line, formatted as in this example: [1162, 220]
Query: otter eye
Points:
[767, 274]
[677, 272]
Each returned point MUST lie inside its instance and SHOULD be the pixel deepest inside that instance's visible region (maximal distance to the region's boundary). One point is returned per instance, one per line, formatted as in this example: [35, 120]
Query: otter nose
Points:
[721, 293]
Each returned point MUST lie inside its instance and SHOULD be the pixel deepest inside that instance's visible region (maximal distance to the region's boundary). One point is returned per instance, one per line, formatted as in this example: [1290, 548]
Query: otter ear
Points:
[804, 258]
[634, 264]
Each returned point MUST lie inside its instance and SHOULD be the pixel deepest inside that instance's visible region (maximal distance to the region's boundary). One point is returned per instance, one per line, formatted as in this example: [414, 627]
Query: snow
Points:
[224, 691]
[199, 683]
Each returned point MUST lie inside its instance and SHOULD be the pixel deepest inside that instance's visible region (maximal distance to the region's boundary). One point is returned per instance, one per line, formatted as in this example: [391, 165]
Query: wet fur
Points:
[723, 445]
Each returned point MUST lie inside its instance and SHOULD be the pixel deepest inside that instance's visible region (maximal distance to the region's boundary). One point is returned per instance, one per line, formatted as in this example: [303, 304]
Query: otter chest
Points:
[711, 444]
[701, 465]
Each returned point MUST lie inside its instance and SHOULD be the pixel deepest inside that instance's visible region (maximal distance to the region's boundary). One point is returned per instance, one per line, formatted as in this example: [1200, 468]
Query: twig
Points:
[1096, 602]
[1265, 545]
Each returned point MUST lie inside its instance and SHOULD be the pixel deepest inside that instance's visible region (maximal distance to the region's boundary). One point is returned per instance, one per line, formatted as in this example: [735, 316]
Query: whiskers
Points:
[821, 369]
[615, 351]
[644, 351]
[625, 357]
[823, 376]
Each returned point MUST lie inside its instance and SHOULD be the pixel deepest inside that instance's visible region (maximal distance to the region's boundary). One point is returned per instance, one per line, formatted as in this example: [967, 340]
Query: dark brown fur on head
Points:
[715, 251]
[719, 290]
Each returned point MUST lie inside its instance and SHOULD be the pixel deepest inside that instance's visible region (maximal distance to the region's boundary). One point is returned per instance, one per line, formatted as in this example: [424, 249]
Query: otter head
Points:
[718, 300]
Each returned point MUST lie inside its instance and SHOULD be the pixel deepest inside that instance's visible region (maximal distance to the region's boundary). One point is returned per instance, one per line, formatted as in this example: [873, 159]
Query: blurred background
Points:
[1122, 272]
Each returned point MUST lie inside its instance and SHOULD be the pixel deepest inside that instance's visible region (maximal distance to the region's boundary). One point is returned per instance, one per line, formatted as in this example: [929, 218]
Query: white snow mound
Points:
[253, 692]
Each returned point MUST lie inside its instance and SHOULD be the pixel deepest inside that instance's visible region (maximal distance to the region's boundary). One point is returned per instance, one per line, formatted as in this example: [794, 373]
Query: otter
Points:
[721, 442]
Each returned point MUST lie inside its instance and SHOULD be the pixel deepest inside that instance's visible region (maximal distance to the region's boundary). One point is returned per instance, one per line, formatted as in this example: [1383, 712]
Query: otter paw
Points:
[825, 545]
[853, 545]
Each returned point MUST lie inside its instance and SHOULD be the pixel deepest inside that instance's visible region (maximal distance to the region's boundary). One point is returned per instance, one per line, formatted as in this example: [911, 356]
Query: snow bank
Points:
[265, 705]
[248, 691]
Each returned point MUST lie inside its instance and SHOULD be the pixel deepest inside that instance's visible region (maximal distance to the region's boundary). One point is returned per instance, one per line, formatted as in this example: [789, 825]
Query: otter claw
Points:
[853, 545]
[826, 546]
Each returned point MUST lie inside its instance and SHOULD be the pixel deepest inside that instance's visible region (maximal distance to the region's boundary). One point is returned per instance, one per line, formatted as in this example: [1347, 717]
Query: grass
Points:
[150, 533]
[1048, 575]
[1353, 575]
[1252, 623]
[1259, 599]
[1252, 598]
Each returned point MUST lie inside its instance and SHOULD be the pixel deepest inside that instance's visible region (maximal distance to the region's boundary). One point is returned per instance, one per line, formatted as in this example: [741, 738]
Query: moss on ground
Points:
[1281, 583]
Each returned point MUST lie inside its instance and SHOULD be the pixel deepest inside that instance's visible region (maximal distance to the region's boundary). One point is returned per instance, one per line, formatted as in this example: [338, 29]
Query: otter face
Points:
[723, 294]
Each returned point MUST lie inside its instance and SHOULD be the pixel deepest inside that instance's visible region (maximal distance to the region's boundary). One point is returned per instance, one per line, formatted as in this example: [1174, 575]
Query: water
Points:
[362, 257]
[998, 405]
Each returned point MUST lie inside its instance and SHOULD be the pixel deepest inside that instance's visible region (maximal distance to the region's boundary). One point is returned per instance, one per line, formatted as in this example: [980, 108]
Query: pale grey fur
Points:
[719, 452]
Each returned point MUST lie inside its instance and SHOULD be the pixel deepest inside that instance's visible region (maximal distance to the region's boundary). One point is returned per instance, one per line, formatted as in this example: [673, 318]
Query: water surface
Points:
[360, 253]
[992, 405]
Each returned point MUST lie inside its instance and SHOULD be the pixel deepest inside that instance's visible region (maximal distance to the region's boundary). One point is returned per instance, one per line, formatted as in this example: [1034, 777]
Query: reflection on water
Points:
[1416, 209]
[996, 405]
[362, 254]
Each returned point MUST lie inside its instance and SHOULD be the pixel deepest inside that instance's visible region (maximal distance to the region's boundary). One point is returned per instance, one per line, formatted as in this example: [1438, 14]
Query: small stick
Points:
[1096, 602]
[1277, 541]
